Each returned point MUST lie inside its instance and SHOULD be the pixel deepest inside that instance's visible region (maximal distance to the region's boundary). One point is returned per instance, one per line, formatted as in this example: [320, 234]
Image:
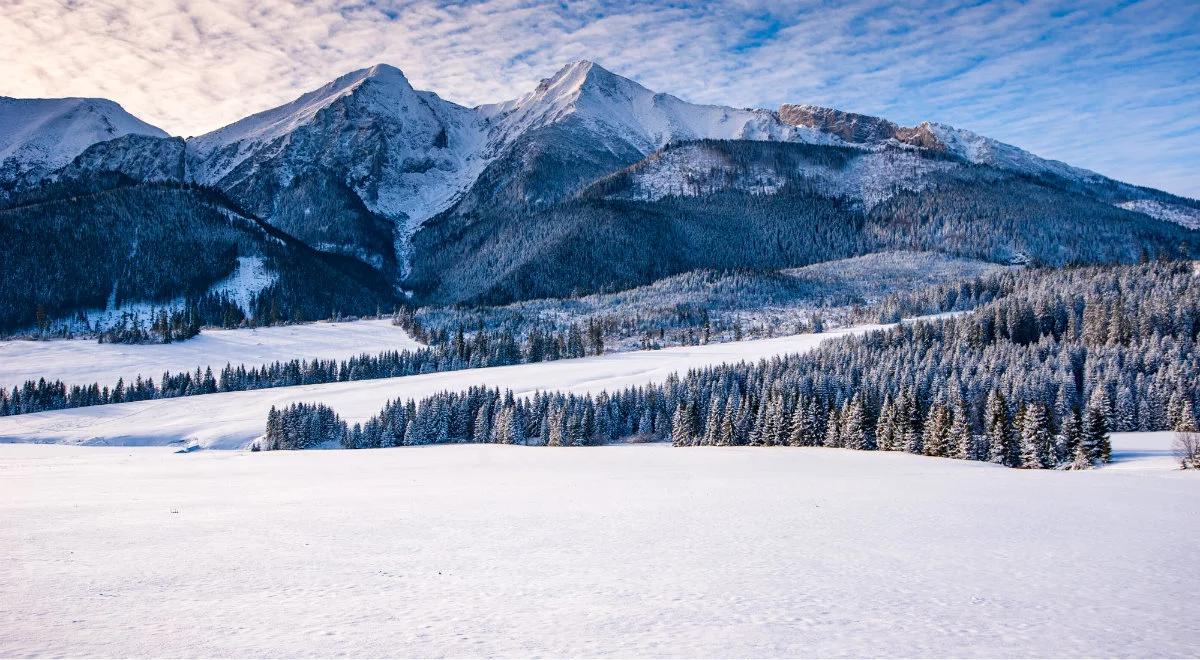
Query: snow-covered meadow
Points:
[636, 550]
[84, 361]
[233, 419]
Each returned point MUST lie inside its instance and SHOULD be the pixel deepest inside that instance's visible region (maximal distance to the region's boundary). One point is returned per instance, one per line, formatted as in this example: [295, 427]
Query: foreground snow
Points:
[84, 361]
[233, 419]
[609, 551]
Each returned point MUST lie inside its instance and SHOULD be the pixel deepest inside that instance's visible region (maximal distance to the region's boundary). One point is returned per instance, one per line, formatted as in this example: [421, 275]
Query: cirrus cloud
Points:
[1109, 86]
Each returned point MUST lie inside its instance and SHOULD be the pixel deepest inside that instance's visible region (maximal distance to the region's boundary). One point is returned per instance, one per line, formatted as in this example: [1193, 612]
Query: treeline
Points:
[301, 426]
[167, 326]
[1037, 379]
[540, 342]
[446, 352]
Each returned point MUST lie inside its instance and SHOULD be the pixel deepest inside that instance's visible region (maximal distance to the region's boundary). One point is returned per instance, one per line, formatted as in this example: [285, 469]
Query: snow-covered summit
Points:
[621, 108]
[41, 135]
[978, 149]
[382, 89]
[404, 153]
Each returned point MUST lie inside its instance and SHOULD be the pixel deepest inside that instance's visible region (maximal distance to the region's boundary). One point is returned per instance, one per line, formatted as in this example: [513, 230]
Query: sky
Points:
[1110, 86]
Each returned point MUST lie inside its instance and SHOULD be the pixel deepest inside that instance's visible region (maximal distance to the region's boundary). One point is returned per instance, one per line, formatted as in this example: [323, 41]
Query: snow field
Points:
[85, 361]
[230, 420]
[635, 550]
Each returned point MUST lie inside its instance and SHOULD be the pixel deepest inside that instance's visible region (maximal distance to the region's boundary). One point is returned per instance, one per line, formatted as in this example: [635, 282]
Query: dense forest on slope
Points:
[725, 305]
[586, 245]
[88, 244]
[607, 238]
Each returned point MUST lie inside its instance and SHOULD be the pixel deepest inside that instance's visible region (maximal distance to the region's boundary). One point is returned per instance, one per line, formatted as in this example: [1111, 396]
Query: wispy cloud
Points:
[1112, 86]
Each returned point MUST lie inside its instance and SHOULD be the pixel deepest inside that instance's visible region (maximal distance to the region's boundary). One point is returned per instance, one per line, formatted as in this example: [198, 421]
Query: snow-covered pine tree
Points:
[681, 426]
[833, 428]
[885, 425]
[998, 432]
[962, 439]
[1095, 440]
[854, 426]
[938, 441]
[1036, 440]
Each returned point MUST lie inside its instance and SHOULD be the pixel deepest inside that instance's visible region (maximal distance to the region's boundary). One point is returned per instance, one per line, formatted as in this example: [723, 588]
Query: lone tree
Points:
[1187, 449]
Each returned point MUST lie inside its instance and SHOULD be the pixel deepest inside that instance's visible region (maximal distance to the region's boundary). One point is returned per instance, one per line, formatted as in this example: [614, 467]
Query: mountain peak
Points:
[48, 133]
[384, 69]
[382, 87]
[581, 75]
[349, 82]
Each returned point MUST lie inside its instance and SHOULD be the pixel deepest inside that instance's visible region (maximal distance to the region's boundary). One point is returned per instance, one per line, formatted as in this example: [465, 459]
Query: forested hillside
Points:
[1037, 379]
[771, 206]
[110, 242]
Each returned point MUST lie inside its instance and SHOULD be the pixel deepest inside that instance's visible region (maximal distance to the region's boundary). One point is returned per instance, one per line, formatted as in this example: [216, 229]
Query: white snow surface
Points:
[1180, 215]
[46, 134]
[619, 551]
[230, 420]
[85, 361]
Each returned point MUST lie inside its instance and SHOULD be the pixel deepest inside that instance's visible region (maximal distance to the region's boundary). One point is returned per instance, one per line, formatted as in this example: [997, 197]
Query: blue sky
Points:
[1111, 86]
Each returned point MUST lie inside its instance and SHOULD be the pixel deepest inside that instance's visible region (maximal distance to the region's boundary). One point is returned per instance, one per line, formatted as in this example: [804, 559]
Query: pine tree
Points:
[937, 431]
[726, 436]
[998, 431]
[682, 432]
[712, 423]
[274, 432]
[555, 423]
[1185, 418]
[885, 425]
[1036, 439]
[833, 428]
[962, 440]
[1095, 440]
[1126, 410]
[798, 428]
[854, 426]
[909, 428]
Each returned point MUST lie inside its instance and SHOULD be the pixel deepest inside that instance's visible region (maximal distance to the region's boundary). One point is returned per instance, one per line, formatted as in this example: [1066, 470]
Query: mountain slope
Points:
[108, 243]
[592, 181]
[388, 154]
[722, 204]
[38, 136]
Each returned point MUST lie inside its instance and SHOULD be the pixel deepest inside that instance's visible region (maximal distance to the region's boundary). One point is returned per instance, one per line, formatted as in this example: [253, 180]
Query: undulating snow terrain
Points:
[84, 361]
[230, 420]
[643, 550]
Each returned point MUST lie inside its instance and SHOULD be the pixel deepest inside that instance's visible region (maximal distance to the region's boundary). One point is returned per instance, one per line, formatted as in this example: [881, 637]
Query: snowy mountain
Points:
[38, 136]
[566, 188]
[620, 109]
[368, 138]
[139, 157]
